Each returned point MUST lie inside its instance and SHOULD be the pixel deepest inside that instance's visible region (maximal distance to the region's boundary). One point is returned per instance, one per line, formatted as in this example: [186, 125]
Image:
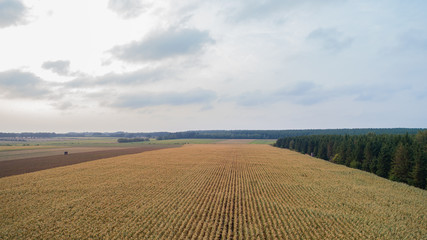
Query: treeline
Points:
[218, 134]
[128, 140]
[401, 157]
[28, 135]
[223, 134]
[275, 134]
[81, 134]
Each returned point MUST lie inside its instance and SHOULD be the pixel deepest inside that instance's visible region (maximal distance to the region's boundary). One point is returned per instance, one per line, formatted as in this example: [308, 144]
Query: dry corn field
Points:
[216, 191]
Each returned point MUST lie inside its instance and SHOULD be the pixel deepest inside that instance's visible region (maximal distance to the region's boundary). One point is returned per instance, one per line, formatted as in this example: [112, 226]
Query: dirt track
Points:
[27, 165]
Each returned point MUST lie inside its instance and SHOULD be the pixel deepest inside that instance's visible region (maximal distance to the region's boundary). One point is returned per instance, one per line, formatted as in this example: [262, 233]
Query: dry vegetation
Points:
[210, 192]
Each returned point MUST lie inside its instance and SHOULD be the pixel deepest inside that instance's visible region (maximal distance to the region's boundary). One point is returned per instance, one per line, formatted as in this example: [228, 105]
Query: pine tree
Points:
[384, 159]
[347, 157]
[400, 170]
[330, 149]
[368, 155]
[322, 150]
[419, 172]
[357, 154]
[373, 167]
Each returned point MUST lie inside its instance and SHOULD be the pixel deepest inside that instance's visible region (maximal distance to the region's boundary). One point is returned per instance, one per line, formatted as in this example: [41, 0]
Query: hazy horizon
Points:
[219, 130]
[149, 66]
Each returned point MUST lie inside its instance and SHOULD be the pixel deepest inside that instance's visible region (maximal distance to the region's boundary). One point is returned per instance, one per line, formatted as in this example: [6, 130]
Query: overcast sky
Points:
[168, 65]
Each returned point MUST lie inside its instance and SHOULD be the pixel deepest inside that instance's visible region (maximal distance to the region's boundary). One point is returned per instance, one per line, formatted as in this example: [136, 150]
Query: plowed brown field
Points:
[209, 192]
[58, 159]
[45, 151]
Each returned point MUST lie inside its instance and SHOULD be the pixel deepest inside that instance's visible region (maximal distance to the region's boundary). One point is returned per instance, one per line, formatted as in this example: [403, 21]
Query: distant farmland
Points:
[210, 191]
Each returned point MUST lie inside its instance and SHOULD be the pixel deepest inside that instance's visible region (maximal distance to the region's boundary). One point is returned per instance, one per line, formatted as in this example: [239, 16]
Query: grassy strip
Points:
[264, 141]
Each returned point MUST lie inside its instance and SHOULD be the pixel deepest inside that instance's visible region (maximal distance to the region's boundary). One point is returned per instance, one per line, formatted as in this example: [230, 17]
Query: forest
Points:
[275, 134]
[398, 157]
[214, 134]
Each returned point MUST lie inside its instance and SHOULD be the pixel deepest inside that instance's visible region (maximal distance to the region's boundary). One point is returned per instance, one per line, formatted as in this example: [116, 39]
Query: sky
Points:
[146, 65]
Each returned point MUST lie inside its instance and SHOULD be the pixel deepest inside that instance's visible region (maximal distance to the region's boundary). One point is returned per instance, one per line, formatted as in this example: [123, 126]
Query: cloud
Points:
[137, 77]
[163, 44]
[330, 39]
[310, 93]
[12, 12]
[301, 93]
[18, 84]
[299, 89]
[60, 67]
[252, 98]
[375, 93]
[412, 42]
[64, 105]
[127, 8]
[147, 99]
[247, 10]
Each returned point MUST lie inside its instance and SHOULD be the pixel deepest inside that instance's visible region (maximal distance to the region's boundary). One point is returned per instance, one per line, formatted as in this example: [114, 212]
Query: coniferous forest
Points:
[398, 157]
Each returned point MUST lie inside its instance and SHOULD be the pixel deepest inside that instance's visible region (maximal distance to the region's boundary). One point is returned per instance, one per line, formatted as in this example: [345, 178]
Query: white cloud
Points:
[330, 39]
[60, 67]
[127, 8]
[12, 12]
[19, 84]
[163, 44]
[127, 79]
[149, 99]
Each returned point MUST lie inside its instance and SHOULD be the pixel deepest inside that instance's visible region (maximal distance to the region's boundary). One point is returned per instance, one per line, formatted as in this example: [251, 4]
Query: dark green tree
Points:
[419, 172]
[368, 156]
[401, 165]
[322, 150]
[357, 153]
[384, 159]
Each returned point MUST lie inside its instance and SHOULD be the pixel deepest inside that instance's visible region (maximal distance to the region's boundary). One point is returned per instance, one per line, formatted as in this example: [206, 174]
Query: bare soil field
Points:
[44, 152]
[213, 191]
[51, 158]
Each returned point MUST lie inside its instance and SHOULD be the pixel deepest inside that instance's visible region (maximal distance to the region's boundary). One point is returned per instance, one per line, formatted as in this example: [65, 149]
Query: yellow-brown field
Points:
[13, 148]
[215, 191]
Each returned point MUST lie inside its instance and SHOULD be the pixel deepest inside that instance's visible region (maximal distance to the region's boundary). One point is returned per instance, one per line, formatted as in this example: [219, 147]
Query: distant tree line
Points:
[128, 140]
[275, 134]
[28, 135]
[218, 134]
[401, 157]
[82, 134]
